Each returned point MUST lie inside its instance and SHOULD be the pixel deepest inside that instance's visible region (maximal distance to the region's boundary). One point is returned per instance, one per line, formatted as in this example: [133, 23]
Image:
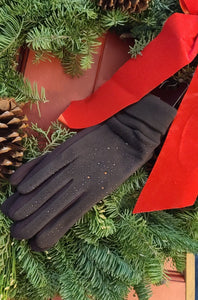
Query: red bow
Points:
[173, 182]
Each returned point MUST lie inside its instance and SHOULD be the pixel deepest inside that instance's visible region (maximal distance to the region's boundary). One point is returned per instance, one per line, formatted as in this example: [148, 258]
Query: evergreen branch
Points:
[178, 239]
[29, 93]
[149, 254]
[189, 220]
[139, 45]
[68, 290]
[99, 284]
[10, 33]
[20, 88]
[71, 64]
[94, 225]
[125, 196]
[44, 38]
[32, 265]
[7, 260]
[179, 260]
[147, 25]
[69, 280]
[143, 290]
[53, 136]
[49, 139]
[154, 270]
[115, 18]
[110, 263]
[26, 291]
[31, 147]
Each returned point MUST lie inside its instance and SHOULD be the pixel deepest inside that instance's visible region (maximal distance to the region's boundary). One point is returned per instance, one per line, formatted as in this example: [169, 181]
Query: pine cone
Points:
[12, 121]
[136, 6]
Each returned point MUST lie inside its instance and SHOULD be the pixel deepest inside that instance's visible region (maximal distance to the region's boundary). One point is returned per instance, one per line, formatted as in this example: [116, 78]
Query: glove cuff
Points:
[153, 111]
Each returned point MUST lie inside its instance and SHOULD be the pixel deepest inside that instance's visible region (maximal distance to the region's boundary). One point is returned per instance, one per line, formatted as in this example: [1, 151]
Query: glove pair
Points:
[58, 188]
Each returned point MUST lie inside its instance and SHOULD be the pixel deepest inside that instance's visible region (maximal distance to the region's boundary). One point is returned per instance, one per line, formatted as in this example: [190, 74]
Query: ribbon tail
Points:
[173, 182]
[175, 47]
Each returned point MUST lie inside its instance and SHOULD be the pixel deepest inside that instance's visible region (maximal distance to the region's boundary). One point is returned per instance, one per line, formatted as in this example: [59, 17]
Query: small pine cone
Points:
[136, 6]
[12, 121]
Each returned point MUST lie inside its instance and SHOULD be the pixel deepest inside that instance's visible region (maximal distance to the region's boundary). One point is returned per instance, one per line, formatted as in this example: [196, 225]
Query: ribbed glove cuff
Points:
[155, 112]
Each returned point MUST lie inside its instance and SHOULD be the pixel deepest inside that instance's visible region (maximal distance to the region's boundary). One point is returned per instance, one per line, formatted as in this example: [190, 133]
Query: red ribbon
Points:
[173, 182]
[175, 47]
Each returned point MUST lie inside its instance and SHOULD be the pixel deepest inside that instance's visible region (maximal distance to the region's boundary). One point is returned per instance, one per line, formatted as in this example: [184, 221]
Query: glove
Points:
[63, 185]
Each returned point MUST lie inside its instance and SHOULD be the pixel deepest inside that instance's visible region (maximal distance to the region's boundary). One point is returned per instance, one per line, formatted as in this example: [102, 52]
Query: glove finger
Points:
[54, 230]
[21, 172]
[29, 203]
[53, 162]
[27, 228]
[6, 205]
[42, 172]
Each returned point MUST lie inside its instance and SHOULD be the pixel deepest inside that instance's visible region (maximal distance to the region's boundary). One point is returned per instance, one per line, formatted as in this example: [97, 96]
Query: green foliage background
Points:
[105, 253]
[109, 249]
[68, 30]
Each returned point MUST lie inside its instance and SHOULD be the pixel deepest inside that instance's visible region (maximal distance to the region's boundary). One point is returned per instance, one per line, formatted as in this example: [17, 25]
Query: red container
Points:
[61, 89]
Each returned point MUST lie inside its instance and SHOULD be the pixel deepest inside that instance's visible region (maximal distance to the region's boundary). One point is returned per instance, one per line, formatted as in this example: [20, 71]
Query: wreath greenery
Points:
[109, 249]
